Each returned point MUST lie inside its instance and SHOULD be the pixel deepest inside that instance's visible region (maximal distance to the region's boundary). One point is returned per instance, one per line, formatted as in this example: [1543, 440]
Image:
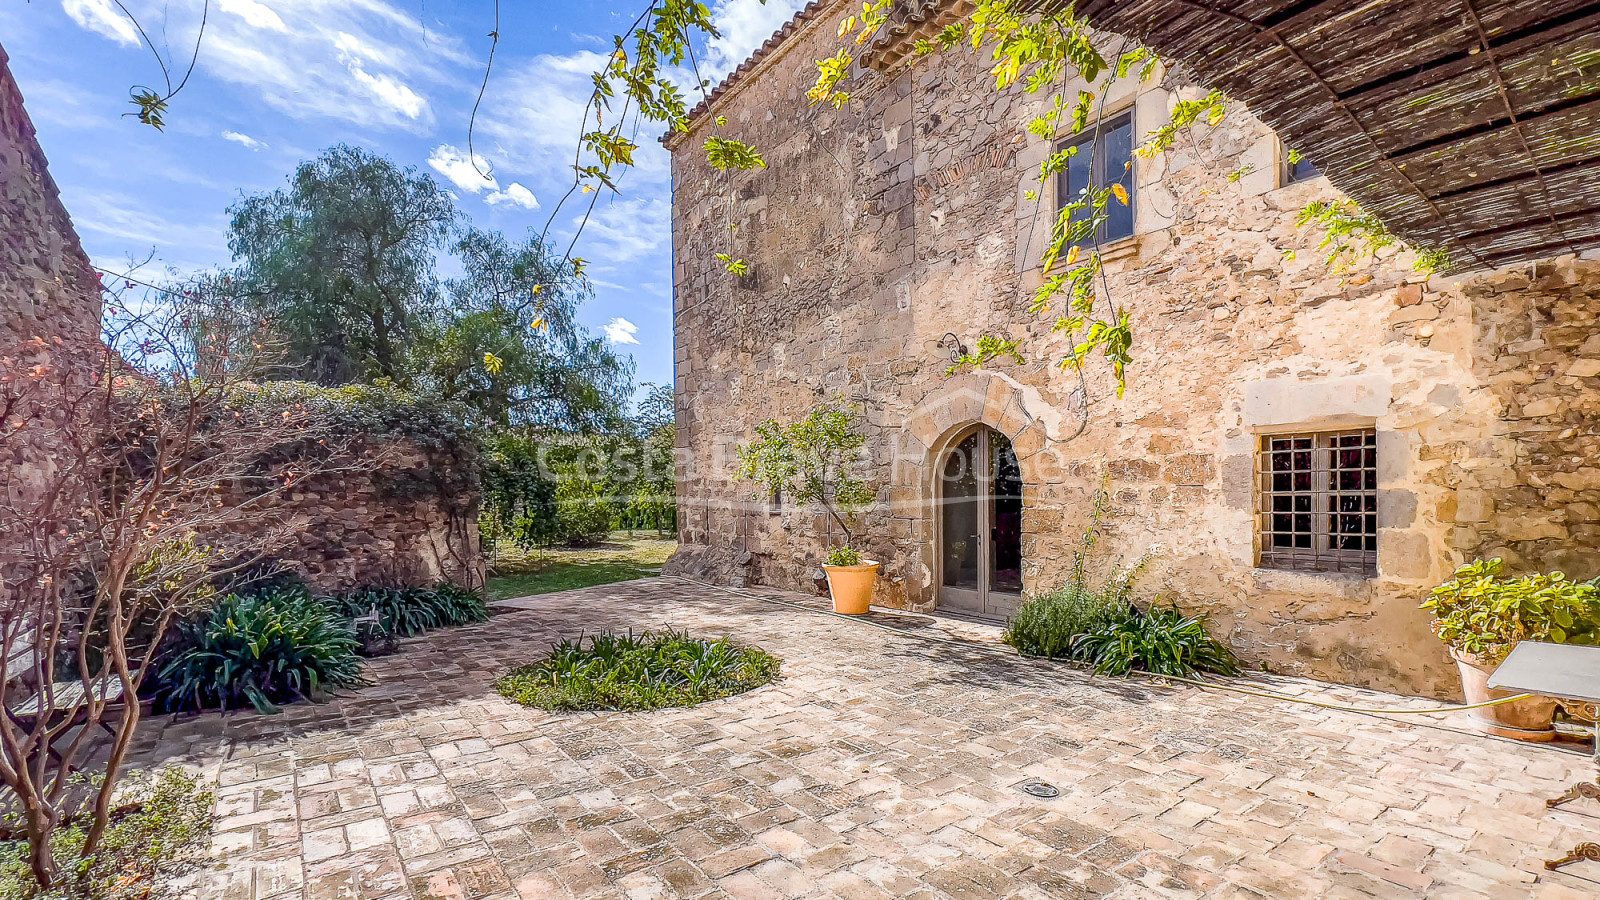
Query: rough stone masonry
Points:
[879, 228]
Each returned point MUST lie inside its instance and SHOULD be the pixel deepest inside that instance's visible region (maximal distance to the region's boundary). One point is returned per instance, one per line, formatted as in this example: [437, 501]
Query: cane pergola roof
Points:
[1472, 125]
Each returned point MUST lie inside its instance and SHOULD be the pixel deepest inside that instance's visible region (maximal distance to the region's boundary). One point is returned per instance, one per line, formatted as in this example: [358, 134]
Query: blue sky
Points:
[278, 80]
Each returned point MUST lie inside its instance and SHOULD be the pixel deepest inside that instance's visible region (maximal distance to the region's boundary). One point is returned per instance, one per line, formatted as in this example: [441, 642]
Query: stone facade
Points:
[879, 228]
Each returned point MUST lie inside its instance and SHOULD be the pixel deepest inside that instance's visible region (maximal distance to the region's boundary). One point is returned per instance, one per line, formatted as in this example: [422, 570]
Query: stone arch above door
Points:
[1015, 410]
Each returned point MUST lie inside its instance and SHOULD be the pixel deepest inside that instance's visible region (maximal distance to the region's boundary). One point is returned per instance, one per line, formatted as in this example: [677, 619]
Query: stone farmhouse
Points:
[1303, 450]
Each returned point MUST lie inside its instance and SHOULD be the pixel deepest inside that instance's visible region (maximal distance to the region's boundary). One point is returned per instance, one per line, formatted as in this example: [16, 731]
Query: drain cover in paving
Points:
[1039, 788]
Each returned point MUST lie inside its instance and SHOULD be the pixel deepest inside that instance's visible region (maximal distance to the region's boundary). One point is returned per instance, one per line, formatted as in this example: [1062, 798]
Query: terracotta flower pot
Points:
[1524, 720]
[851, 587]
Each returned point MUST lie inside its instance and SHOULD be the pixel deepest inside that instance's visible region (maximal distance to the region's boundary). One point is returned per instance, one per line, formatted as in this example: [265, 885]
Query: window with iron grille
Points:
[1319, 501]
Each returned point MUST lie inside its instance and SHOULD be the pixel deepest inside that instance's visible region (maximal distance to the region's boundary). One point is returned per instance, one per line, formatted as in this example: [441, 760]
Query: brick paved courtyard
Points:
[881, 765]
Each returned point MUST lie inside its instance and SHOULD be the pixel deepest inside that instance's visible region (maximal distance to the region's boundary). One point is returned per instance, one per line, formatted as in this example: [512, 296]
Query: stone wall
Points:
[411, 520]
[46, 286]
[879, 228]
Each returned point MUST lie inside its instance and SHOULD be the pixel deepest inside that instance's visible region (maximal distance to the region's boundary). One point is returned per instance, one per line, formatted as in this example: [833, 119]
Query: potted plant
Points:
[1481, 615]
[810, 462]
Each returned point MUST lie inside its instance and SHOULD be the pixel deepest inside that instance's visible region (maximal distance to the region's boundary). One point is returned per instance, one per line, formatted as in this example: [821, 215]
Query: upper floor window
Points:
[1319, 501]
[1296, 167]
[1103, 158]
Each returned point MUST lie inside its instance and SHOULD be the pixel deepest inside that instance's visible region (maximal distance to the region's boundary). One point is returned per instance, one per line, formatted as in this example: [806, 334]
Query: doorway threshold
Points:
[961, 615]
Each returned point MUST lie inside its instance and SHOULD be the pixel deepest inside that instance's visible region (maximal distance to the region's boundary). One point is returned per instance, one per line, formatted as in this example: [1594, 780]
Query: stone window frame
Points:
[1318, 442]
[1108, 121]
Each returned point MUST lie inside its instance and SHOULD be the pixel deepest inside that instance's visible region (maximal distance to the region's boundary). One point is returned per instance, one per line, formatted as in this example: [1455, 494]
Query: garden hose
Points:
[989, 648]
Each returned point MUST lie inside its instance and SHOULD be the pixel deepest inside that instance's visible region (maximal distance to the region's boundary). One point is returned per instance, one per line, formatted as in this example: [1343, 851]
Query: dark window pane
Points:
[1298, 171]
[1100, 163]
[1118, 169]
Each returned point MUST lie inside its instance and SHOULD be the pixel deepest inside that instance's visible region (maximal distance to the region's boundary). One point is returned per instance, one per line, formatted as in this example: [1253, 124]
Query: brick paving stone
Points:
[880, 765]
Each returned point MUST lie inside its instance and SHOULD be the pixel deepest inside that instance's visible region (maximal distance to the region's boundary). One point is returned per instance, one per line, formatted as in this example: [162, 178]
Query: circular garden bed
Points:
[628, 672]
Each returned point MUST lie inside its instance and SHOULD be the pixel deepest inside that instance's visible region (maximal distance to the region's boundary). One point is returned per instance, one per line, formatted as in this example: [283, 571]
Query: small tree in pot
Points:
[1482, 615]
[810, 462]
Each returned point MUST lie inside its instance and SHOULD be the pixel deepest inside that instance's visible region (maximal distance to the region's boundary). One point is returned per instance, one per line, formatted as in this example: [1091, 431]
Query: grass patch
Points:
[515, 573]
[636, 672]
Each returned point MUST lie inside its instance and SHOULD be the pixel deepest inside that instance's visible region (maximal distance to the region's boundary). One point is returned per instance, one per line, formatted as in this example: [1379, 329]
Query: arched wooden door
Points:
[980, 526]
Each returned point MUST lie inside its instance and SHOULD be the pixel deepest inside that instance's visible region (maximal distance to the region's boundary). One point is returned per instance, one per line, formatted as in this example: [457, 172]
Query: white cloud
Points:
[621, 331]
[129, 221]
[255, 14]
[369, 63]
[244, 140]
[744, 25]
[100, 17]
[532, 116]
[514, 194]
[629, 228]
[454, 165]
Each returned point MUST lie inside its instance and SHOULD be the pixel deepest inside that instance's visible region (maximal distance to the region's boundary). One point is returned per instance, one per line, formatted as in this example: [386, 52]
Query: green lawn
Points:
[516, 574]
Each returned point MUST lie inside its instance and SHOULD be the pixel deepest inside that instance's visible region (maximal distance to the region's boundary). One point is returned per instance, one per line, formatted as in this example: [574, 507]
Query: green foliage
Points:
[340, 264]
[160, 829]
[370, 410]
[584, 512]
[1160, 640]
[989, 349]
[844, 556]
[542, 489]
[1048, 624]
[627, 672]
[1210, 109]
[810, 462]
[517, 303]
[1099, 625]
[1481, 613]
[262, 650]
[1349, 233]
[734, 266]
[412, 610]
[151, 107]
[724, 154]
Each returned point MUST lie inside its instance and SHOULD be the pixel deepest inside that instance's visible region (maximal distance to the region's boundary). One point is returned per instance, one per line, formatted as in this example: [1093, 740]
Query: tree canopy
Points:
[341, 262]
[339, 272]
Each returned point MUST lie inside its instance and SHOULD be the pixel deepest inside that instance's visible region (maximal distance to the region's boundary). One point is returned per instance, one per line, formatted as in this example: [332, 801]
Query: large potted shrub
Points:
[1482, 615]
[810, 462]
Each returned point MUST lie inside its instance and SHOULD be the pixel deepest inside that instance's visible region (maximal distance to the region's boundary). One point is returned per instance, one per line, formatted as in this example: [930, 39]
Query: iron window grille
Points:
[1103, 158]
[1319, 501]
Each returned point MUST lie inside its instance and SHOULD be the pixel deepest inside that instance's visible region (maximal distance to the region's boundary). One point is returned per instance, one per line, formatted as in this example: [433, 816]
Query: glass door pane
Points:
[961, 493]
[1005, 532]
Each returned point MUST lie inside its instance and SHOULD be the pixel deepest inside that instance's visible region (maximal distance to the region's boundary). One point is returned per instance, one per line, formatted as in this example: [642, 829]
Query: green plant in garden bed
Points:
[262, 650]
[1098, 624]
[1482, 614]
[637, 672]
[160, 828]
[411, 611]
[1160, 640]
